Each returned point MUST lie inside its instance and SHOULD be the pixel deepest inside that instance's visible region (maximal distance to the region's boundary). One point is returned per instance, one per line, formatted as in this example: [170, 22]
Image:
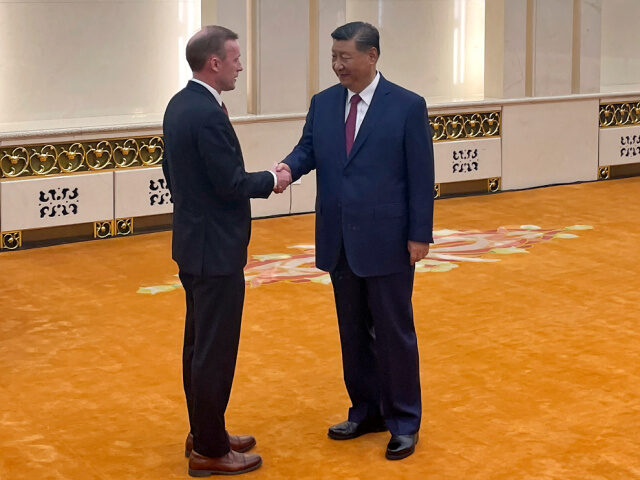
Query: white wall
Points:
[620, 62]
[233, 14]
[433, 47]
[535, 153]
[552, 25]
[283, 55]
[83, 58]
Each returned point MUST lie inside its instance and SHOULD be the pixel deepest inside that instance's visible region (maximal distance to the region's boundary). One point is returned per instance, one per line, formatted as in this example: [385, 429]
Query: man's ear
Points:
[214, 63]
[373, 54]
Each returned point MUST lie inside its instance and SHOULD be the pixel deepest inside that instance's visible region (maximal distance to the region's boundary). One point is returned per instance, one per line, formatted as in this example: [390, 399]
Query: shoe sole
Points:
[187, 453]
[399, 456]
[208, 473]
[333, 436]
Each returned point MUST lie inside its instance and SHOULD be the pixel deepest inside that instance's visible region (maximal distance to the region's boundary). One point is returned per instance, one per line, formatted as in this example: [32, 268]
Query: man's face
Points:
[355, 69]
[229, 68]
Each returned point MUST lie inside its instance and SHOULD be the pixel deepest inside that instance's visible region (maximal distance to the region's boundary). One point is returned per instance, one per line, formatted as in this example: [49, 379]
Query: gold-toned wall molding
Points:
[103, 229]
[466, 187]
[124, 226]
[494, 184]
[10, 240]
[610, 172]
[459, 126]
[64, 158]
[604, 173]
[619, 114]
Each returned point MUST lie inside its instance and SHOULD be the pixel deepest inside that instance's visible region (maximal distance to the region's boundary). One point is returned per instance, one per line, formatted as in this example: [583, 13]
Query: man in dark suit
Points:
[368, 141]
[210, 188]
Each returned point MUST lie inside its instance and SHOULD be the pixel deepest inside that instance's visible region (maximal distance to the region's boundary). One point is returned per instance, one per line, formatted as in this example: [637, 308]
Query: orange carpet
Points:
[529, 339]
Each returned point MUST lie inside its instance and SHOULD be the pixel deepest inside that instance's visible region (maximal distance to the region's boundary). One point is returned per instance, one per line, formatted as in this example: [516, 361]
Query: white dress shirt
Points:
[366, 95]
[213, 91]
[218, 98]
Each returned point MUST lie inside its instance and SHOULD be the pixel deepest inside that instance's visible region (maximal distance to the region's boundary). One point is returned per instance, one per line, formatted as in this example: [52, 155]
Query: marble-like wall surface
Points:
[620, 62]
[549, 142]
[433, 47]
[233, 14]
[283, 56]
[505, 48]
[55, 201]
[552, 39]
[619, 146]
[587, 46]
[88, 58]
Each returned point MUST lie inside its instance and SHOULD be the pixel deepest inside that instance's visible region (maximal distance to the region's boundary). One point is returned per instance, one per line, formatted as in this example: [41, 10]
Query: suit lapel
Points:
[376, 110]
[196, 87]
[338, 121]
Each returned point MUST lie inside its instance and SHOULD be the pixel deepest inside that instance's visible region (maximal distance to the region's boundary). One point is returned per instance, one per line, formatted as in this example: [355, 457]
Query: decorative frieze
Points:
[458, 126]
[10, 240]
[619, 114]
[103, 229]
[63, 158]
[124, 226]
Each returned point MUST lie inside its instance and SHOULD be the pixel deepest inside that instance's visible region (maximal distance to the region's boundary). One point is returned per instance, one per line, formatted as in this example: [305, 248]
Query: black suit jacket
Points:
[210, 188]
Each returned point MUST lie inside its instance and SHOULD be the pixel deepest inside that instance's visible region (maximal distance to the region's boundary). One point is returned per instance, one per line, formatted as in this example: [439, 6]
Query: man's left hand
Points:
[417, 251]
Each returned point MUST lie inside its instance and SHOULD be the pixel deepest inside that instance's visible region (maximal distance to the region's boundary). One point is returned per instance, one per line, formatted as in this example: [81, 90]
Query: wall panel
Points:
[77, 59]
[549, 142]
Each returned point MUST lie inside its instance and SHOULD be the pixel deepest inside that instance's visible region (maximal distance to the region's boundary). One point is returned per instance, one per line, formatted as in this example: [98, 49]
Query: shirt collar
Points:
[367, 94]
[213, 91]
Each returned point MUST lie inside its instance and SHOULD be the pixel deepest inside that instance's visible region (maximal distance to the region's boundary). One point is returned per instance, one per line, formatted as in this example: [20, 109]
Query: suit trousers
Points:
[379, 346]
[211, 337]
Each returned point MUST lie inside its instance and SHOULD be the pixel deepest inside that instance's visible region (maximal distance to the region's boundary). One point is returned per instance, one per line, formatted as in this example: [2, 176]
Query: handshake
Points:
[283, 175]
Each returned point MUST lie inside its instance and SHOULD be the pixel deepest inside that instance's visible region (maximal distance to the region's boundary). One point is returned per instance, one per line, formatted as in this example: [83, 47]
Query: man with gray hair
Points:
[210, 188]
[368, 141]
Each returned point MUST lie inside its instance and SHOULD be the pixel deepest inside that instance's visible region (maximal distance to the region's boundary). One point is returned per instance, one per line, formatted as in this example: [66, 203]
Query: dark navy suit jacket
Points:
[209, 186]
[381, 195]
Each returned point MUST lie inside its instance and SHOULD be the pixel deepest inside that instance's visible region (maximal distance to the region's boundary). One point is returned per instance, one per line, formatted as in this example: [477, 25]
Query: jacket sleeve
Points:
[301, 160]
[165, 164]
[420, 173]
[224, 166]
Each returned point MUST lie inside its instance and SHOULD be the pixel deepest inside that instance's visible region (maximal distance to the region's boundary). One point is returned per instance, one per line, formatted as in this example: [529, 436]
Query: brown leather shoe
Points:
[242, 443]
[239, 443]
[233, 463]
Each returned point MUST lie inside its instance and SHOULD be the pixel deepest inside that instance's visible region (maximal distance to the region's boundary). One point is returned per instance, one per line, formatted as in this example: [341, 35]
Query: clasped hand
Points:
[283, 174]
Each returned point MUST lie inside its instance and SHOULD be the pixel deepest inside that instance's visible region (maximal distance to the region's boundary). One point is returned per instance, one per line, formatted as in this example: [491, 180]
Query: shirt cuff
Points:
[275, 179]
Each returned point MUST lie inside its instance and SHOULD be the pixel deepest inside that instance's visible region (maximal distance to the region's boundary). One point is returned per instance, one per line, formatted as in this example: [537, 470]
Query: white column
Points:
[331, 15]
[505, 48]
[620, 39]
[233, 15]
[283, 51]
[587, 46]
[552, 39]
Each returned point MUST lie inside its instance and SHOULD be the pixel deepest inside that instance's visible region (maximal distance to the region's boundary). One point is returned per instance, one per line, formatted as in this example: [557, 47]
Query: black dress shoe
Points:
[401, 446]
[348, 430]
